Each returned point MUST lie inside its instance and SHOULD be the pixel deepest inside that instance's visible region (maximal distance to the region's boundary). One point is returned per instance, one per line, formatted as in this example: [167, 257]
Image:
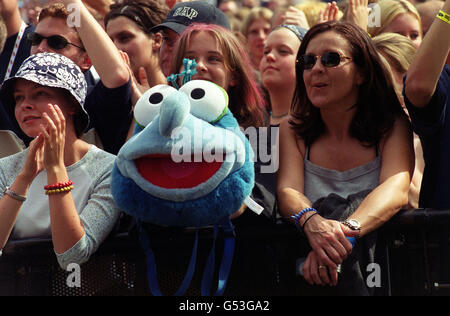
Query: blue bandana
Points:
[297, 30]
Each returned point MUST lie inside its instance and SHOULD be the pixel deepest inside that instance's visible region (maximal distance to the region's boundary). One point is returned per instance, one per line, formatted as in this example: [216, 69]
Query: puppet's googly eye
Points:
[147, 107]
[209, 101]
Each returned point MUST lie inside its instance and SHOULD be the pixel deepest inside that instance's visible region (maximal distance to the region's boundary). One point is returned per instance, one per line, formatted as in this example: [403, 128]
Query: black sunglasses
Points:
[329, 59]
[56, 42]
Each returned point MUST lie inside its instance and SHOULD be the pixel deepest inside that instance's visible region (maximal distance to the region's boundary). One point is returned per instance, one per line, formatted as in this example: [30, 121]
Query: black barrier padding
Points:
[413, 252]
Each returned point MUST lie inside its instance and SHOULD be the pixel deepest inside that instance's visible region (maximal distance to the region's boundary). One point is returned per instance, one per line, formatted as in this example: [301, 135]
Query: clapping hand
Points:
[54, 135]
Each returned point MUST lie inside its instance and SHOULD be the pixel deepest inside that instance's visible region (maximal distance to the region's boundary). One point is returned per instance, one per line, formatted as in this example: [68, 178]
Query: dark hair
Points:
[377, 105]
[145, 13]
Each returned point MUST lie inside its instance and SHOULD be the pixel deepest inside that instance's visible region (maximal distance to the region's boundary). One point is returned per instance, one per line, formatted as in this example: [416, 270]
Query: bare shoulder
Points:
[289, 137]
[401, 131]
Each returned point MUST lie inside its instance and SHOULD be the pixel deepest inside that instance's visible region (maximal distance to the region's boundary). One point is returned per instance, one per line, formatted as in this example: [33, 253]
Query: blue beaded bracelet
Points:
[297, 216]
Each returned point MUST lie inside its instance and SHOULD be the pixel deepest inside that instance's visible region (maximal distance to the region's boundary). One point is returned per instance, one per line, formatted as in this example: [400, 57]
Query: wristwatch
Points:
[353, 224]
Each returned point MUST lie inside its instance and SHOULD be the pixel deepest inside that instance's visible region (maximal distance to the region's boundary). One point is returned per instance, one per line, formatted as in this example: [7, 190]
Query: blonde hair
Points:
[253, 15]
[311, 10]
[389, 10]
[398, 50]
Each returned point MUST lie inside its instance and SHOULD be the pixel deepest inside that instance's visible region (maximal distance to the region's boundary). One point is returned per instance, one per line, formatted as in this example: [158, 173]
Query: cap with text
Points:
[186, 13]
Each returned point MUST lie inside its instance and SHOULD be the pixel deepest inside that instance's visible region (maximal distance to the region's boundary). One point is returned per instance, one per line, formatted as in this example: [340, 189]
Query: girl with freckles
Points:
[58, 188]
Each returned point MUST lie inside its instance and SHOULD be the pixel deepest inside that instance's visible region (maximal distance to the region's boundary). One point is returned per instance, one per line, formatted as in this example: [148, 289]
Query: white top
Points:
[91, 194]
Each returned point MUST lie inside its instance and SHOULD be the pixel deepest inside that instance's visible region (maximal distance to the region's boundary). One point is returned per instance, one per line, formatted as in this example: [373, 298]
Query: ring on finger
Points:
[322, 267]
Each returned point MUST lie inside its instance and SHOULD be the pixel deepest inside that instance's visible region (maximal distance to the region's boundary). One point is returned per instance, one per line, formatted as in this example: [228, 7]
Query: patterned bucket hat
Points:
[50, 70]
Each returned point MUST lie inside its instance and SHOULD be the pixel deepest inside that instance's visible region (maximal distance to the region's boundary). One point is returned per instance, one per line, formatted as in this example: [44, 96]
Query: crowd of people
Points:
[355, 92]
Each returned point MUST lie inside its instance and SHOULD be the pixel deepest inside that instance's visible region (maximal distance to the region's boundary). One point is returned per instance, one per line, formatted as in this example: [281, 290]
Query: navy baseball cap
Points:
[186, 13]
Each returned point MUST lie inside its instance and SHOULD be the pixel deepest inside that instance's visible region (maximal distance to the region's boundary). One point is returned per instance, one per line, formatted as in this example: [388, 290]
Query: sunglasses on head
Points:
[56, 42]
[329, 59]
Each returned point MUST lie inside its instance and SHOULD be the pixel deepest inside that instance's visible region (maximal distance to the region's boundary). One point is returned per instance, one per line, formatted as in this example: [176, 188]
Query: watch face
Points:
[354, 224]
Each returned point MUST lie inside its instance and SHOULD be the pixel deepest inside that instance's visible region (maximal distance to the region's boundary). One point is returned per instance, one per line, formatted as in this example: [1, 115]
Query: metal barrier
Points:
[416, 249]
[419, 252]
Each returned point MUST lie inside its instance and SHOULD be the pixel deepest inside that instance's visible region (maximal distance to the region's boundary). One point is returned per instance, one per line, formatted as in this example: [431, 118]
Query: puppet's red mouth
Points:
[164, 172]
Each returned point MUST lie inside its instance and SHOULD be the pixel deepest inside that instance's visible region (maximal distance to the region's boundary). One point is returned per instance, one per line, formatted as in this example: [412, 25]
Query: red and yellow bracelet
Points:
[59, 187]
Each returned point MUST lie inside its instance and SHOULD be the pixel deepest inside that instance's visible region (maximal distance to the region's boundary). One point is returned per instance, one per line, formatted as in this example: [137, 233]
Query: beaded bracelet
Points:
[58, 185]
[62, 190]
[443, 16]
[299, 215]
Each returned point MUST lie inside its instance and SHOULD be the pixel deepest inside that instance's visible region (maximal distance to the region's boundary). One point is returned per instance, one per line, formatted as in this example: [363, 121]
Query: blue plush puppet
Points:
[187, 164]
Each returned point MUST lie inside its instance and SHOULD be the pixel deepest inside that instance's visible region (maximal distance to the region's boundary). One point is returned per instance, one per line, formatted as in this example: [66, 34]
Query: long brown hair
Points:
[377, 105]
[245, 100]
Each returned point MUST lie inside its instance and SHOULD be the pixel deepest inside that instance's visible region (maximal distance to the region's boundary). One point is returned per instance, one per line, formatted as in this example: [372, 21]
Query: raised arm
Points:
[101, 50]
[424, 72]
[9, 10]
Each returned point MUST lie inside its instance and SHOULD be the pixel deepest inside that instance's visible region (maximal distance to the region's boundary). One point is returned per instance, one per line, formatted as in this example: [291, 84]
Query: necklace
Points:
[278, 116]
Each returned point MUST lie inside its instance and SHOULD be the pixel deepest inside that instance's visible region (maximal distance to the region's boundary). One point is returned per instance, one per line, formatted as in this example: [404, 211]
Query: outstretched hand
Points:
[295, 16]
[358, 13]
[330, 13]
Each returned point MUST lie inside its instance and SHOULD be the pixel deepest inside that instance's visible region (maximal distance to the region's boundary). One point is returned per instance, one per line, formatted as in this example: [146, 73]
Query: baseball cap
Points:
[50, 70]
[186, 13]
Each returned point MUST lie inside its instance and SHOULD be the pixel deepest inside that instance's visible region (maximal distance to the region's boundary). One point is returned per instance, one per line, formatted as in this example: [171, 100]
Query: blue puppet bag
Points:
[187, 165]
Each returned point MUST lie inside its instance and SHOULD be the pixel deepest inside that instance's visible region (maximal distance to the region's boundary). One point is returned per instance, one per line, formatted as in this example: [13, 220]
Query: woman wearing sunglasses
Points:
[349, 136]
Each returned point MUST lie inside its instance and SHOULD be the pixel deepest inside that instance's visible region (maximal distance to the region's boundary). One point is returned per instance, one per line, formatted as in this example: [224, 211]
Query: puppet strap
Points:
[229, 238]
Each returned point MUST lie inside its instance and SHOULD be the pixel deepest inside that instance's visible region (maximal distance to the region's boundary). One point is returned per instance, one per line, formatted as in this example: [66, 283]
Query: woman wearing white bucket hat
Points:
[59, 186]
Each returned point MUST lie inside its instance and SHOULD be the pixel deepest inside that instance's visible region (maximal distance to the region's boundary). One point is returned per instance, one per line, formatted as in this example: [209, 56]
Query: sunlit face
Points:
[256, 38]
[57, 26]
[332, 87]
[205, 49]
[128, 37]
[407, 25]
[277, 67]
[32, 100]
[165, 53]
